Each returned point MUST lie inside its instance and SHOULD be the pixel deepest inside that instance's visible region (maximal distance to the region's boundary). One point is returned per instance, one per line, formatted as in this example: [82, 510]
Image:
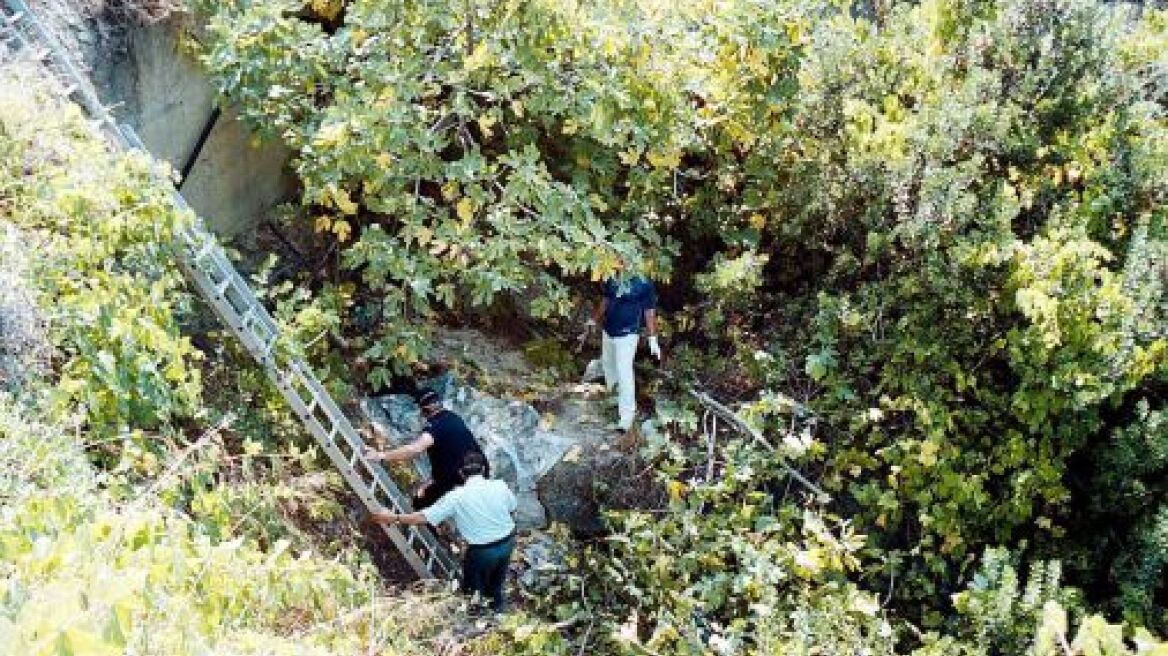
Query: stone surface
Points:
[519, 450]
[155, 88]
[550, 462]
[568, 488]
[541, 559]
[235, 182]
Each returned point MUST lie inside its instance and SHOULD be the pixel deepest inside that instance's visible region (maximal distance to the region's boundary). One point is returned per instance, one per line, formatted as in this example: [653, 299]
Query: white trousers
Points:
[617, 355]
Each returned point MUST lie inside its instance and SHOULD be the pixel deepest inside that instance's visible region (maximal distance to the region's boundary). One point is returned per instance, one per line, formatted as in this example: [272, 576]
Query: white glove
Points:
[655, 347]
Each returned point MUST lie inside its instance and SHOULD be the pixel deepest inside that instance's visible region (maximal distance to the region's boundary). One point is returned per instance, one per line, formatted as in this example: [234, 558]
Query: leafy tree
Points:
[936, 226]
[459, 152]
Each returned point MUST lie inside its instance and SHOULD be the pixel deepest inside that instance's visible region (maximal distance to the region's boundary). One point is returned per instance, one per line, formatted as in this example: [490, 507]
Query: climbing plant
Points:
[96, 561]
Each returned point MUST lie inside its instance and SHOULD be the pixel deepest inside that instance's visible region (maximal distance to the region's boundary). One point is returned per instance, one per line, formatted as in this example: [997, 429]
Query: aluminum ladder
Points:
[205, 263]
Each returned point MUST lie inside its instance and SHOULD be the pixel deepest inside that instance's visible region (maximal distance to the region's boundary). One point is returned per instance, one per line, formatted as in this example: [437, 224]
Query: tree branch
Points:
[719, 409]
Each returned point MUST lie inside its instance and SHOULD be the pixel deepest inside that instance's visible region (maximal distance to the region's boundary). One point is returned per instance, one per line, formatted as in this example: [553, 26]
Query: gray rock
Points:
[542, 560]
[519, 450]
[555, 463]
[529, 512]
[568, 489]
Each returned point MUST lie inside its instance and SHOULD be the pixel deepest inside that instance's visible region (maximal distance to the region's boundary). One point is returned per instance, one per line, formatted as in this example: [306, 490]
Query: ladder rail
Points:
[380, 478]
[314, 406]
[217, 281]
[74, 82]
[317, 410]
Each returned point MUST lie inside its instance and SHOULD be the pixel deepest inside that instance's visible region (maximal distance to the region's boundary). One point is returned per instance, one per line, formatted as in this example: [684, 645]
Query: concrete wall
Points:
[157, 88]
[167, 99]
[233, 183]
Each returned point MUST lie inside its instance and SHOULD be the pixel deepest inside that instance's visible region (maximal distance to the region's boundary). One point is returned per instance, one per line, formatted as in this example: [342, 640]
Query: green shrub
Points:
[936, 226]
[89, 575]
[96, 562]
[104, 225]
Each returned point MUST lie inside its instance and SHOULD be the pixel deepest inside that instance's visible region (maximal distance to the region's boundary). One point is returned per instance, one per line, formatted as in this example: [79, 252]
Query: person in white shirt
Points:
[481, 509]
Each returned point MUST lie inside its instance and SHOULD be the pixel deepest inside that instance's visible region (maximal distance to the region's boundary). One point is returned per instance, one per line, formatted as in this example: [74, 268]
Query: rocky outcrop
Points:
[568, 489]
[552, 457]
[519, 450]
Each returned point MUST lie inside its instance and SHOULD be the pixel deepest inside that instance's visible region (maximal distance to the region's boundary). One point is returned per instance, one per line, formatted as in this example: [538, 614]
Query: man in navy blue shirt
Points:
[445, 439]
[628, 308]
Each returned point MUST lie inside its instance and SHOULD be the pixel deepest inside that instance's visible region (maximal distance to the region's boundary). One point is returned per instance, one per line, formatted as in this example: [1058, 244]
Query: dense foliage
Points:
[726, 569]
[98, 554]
[923, 243]
[939, 226]
[457, 156]
[991, 223]
[122, 354]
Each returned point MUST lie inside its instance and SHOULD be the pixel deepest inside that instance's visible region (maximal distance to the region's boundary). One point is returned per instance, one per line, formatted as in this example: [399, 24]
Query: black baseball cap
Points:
[429, 397]
[473, 463]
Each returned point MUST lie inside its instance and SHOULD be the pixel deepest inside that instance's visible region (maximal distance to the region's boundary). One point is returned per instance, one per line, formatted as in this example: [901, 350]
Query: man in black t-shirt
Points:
[445, 439]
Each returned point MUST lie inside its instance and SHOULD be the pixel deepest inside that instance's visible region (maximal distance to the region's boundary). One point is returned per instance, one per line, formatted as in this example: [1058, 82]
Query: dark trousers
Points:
[429, 494]
[484, 570]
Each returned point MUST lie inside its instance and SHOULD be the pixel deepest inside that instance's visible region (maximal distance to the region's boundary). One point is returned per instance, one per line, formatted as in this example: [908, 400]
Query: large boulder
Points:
[557, 458]
[569, 488]
[519, 449]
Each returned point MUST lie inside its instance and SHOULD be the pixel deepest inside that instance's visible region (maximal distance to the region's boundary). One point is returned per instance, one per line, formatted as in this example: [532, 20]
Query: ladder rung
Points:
[221, 261]
[248, 317]
[269, 325]
[221, 288]
[269, 347]
[208, 247]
